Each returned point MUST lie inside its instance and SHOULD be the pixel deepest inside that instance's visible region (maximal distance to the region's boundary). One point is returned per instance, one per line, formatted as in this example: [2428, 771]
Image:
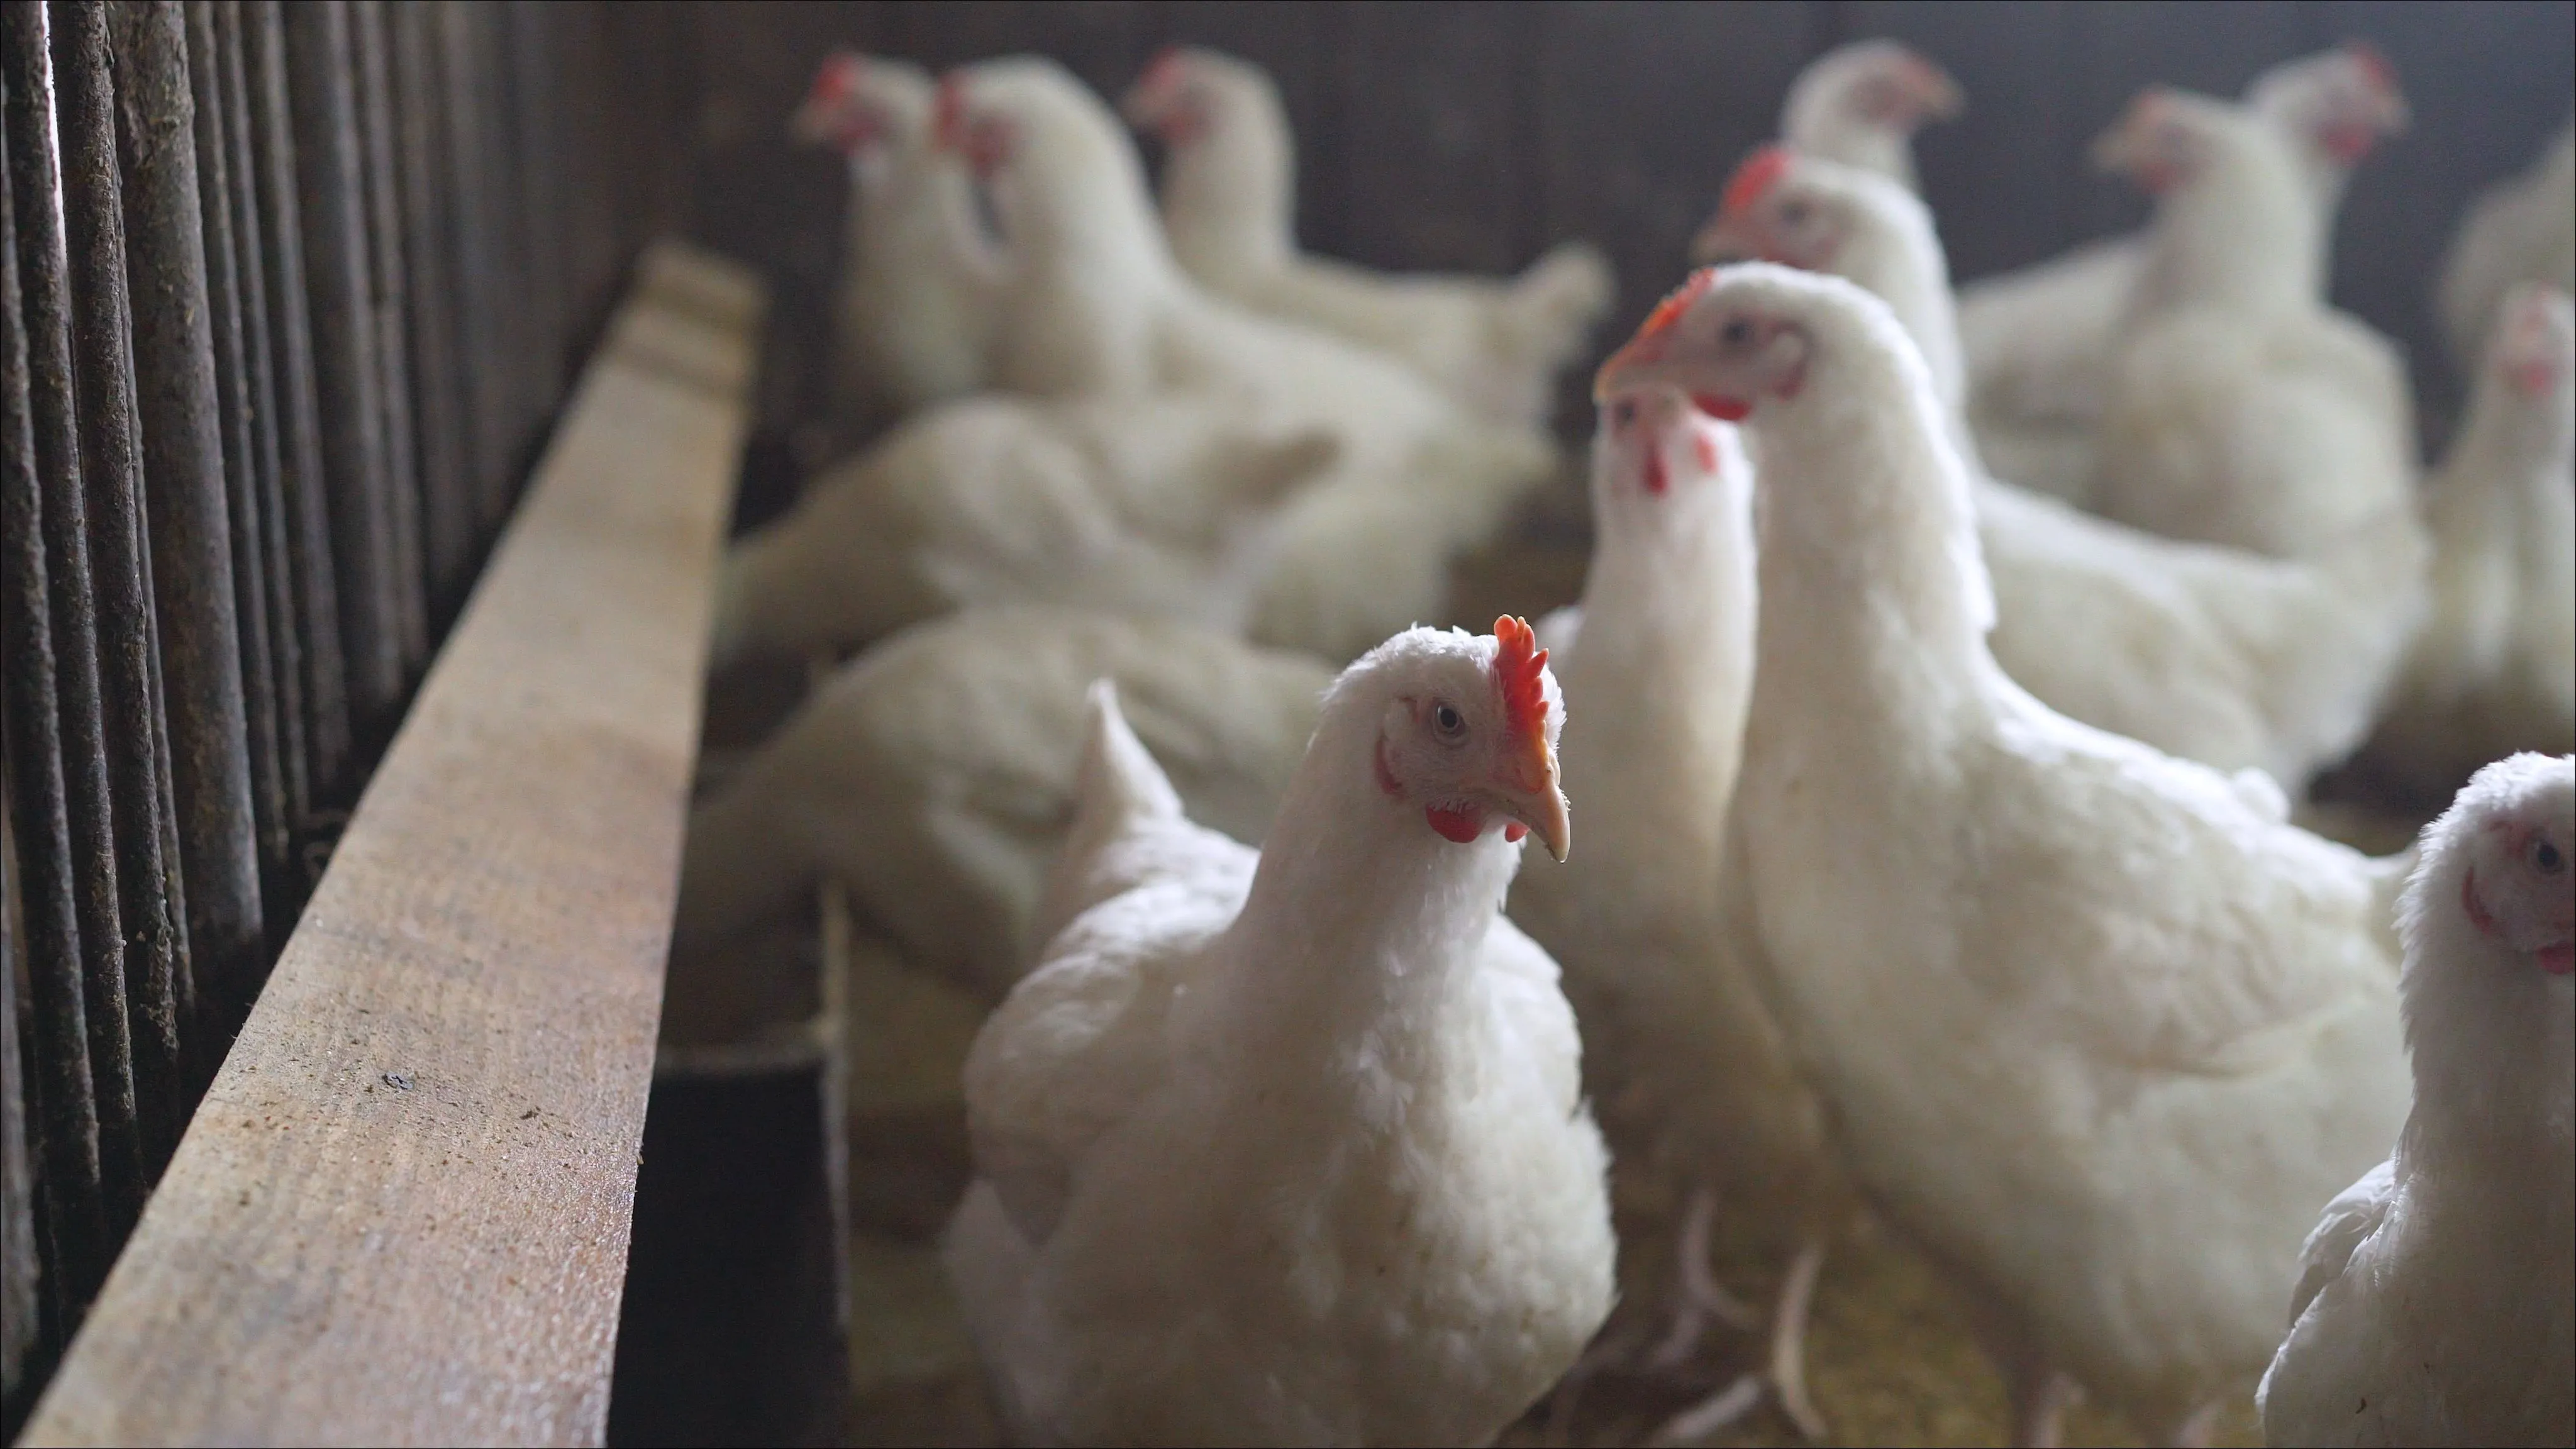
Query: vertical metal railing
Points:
[288, 294]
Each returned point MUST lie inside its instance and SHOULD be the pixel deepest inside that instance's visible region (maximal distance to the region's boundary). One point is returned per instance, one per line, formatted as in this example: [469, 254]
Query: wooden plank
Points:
[401, 1214]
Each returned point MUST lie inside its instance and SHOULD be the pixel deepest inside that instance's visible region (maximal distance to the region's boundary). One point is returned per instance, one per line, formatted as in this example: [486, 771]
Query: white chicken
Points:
[2494, 670]
[913, 313]
[2523, 229]
[1096, 306]
[1660, 672]
[1229, 202]
[2246, 412]
[2040, 342]
[1860, 105]
[2216, 654]
[1291, 1147]
[2435, 1298]
[1160, 505]
[2099, 1028]
[933, 776]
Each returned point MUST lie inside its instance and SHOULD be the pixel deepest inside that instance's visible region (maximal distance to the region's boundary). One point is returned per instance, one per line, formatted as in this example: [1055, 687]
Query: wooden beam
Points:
[401, 1214]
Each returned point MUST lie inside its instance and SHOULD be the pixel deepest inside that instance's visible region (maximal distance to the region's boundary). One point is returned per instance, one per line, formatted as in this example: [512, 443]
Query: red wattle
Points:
[2350, 142]
[1656, 481]
[2557, 960]
[1515, 831]
[1724, 409]
[1462, 826]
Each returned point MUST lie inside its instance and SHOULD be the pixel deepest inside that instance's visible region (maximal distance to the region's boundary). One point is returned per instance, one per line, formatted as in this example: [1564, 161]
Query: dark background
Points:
[1451, 134]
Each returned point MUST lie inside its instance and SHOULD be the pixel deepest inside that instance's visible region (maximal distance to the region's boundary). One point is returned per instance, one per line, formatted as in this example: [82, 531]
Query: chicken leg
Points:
[1697, 1295]
[1784, 1374]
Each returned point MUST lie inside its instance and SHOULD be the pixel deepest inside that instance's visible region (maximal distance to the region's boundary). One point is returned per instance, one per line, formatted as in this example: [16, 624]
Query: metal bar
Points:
[481, 351]
[326, 689]
[393, 364]
[505, 162]
[62, 1112]
[528, 30]
[446, 479]
[328, 1265]
[58, 776]
[229, 985]
[129, 1096]
[508, 365]
[184, 475]
[20, 1271]
[120, 574]
[341, 289]
[267, 473]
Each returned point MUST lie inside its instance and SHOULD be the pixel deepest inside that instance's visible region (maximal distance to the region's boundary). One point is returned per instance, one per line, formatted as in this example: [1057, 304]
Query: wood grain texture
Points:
[402, 1213]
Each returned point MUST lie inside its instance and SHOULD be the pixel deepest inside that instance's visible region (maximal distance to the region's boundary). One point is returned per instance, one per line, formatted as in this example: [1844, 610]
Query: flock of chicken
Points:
[1937, 851]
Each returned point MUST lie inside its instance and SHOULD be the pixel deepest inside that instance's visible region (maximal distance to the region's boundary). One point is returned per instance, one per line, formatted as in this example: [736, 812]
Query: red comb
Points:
[1754, 179]
[1162, 70]
[1519, 669]
[838, 76]
[2374, 64]
[1670, 310]
[948, 125]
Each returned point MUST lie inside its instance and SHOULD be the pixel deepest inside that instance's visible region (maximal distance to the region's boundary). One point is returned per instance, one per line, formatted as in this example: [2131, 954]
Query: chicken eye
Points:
[2545, 856]
[1622, 415]
[1738, 332]
[1794, 213]
[1449, 724]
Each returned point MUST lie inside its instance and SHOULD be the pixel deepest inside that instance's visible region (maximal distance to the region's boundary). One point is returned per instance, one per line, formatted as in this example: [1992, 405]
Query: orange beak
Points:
[1534, 798]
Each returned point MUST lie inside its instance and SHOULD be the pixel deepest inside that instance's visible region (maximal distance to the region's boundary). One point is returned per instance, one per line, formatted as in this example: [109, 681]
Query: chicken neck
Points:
[1662, 675]
[2242, 232]
[1229, 192]
[1363, 928]
[1875, 599]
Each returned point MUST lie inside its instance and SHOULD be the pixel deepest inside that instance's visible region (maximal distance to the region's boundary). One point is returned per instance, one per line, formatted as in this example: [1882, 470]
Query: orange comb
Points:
[1670, 310]
[1519, 667]
[1754, 179]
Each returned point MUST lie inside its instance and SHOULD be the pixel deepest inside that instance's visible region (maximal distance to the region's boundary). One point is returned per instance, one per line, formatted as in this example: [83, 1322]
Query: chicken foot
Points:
[1784, 1375]
[1698, 1297]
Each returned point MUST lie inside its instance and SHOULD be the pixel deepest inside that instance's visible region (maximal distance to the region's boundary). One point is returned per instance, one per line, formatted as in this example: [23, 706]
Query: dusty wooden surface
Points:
[401, 1215]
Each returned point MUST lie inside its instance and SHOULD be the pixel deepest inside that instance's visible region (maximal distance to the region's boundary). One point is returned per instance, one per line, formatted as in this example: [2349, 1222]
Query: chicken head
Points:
[1726, 352]
[1470, 737]
[858, 102]
[1658, 442]
[1170, 99]
[1874, 83]
[2534, 347]
[984, 140]
[2343, 102]
[1774, 212]
[2162, 140]
[2515, 827]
